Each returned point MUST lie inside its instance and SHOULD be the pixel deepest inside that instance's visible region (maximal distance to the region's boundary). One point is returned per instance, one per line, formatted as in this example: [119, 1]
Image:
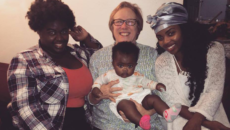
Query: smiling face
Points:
[170, 39]
[124, 32]
[54, 37]
[124, 64]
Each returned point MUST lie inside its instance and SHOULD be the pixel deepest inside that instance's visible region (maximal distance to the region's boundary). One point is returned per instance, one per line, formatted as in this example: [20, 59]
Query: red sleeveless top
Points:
[80, 84]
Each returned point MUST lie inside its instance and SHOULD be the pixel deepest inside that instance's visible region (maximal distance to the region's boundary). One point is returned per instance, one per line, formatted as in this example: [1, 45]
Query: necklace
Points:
[180, 70]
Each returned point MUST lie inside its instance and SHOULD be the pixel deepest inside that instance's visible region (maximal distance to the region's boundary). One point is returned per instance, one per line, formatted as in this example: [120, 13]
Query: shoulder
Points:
[146, 48]
[147, 52]
[102, 52]
[111, 71]
[73, 46]
[77, 48]
[163, 57]
[216, 53]
[24, 58]
[164, 60]
[216, 46]
[136, 73]
[32, 49]
[30, 53]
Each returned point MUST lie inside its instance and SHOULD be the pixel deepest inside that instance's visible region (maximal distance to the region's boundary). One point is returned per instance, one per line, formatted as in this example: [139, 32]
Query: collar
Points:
[45, 55]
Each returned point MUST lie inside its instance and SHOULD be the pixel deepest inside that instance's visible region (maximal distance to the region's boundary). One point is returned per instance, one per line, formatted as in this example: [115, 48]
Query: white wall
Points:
[93, 15]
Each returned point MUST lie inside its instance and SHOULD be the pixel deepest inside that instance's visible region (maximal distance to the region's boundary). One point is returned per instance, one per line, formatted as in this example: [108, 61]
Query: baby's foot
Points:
[145, 122]
[171, 113]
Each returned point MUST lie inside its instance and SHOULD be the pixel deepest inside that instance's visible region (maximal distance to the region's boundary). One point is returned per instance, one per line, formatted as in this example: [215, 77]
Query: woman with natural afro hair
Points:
[43, 11]
[48, 82]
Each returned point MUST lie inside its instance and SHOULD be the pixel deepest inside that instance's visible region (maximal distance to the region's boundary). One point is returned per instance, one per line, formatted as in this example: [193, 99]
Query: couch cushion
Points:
[4, 93]
[226, 94]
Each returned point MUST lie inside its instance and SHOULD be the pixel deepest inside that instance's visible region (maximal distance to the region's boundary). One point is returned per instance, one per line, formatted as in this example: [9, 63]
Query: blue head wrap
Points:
[167, 15]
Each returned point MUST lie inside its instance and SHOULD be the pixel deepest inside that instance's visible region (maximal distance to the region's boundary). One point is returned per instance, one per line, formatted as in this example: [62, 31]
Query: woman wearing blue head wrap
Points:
[192, 67]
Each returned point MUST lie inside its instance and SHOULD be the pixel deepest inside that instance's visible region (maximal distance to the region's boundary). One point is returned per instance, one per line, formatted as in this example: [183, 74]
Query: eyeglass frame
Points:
[125, 22]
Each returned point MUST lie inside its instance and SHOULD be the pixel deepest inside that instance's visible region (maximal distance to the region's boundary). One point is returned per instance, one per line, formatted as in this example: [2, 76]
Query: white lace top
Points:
[209, 103]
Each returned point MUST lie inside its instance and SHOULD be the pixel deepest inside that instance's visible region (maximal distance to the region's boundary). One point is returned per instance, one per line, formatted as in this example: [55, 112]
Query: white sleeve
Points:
[102, 79]
[211, 97]
[146, 83]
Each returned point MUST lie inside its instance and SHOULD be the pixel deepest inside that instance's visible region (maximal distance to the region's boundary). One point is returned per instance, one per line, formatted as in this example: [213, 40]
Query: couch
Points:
[5, 118]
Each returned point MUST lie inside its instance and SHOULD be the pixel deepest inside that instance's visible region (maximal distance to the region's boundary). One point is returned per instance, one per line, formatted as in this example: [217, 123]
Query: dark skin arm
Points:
[95, 96]
[196, 120]
[80, 34]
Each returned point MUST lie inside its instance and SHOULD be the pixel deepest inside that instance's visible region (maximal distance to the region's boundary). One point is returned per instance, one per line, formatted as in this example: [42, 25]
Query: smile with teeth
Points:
[59, 45]
[124, 34]
[171, 46]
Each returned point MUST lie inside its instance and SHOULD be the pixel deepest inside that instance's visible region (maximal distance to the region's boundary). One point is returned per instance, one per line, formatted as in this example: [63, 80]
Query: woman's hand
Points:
[195, 122]
[215, 125]
[142, 110]
[107, 90]
[78, 33]
[192, 125]
[160, 87]
[124, 117]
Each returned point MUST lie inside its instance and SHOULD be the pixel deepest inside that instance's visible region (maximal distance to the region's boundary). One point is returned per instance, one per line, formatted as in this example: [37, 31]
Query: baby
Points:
[135, 86]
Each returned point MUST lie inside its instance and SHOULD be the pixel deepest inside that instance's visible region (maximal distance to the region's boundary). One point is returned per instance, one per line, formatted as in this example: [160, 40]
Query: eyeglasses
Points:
[129, 22]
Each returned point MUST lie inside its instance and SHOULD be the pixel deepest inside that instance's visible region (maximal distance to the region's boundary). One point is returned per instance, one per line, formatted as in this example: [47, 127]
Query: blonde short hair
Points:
[135, 8]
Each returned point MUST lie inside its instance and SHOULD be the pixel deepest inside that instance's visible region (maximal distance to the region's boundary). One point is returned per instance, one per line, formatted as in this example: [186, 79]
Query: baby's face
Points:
[124, 65]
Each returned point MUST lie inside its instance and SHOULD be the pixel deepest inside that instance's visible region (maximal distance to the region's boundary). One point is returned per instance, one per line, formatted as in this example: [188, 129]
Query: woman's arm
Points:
[197, 119]
[25, 97]
[210, 98]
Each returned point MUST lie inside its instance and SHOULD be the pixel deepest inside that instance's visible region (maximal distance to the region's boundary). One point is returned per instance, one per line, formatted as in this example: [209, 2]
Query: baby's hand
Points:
[96, 93]
[161, 87]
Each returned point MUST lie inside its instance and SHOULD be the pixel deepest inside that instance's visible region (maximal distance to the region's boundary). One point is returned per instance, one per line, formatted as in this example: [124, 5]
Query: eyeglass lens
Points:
[129, 22]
